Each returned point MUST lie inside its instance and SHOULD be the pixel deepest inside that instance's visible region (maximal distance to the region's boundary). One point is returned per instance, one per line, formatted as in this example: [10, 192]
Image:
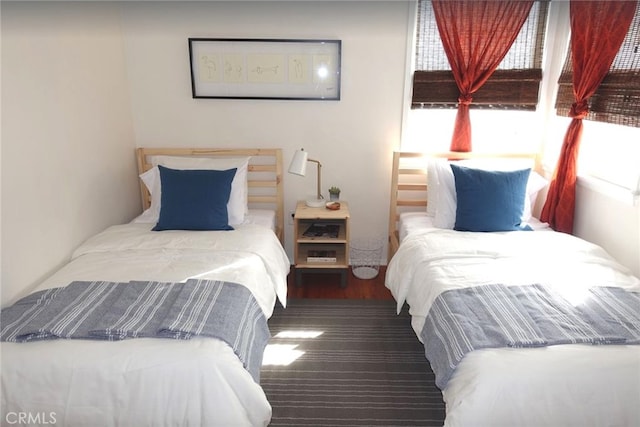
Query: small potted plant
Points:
[334, 193]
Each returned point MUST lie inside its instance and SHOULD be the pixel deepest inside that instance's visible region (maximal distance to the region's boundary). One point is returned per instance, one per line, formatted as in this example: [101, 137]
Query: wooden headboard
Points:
[409, 183]
[264, 177]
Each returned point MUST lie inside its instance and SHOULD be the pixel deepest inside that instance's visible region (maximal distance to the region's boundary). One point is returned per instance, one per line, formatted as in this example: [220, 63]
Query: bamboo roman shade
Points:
[617, 99]
[514, 85]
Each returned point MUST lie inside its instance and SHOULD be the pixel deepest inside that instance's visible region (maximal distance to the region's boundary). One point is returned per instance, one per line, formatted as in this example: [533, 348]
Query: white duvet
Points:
[565, 385]
[149, 382]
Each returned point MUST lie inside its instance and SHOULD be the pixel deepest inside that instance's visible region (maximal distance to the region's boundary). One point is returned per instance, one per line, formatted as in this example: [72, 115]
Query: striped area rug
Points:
[365, 367]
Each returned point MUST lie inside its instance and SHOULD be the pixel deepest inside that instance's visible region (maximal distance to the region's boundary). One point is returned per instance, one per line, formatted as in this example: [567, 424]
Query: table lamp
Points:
[298, 166]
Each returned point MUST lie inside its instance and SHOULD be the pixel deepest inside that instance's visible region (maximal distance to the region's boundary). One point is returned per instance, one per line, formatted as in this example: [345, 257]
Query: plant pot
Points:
[334, 196]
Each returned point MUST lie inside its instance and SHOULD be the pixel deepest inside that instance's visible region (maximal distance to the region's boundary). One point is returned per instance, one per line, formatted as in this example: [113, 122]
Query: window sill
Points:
[617, 192]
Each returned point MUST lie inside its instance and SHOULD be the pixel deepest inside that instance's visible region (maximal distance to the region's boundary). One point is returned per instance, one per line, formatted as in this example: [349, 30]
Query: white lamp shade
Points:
[298, 164]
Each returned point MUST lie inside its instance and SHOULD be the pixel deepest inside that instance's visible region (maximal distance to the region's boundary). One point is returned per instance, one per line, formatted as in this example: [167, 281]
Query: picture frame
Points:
[289, 69]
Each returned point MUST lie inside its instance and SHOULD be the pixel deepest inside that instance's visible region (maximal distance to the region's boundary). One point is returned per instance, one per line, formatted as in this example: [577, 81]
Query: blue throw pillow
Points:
[194, 199]
[489, 200]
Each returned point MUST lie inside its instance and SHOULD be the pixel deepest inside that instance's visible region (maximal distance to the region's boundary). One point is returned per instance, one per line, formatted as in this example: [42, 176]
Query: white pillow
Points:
[237, 207]
[446, 200]
[535, 184]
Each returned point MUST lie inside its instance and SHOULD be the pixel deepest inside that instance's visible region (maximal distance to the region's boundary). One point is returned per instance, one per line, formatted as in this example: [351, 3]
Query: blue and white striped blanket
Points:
[115, 311]
[493, 316]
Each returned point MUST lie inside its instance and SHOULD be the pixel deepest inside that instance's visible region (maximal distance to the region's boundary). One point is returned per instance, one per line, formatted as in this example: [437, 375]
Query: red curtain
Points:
[476, 36]
[598, 28]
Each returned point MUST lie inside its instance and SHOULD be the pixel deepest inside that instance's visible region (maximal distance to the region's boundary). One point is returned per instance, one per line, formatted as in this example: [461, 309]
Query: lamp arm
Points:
[318, 181]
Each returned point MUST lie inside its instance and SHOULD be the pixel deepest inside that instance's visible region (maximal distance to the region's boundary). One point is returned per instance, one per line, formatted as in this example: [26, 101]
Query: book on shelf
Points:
[322, 229]
[321, 256]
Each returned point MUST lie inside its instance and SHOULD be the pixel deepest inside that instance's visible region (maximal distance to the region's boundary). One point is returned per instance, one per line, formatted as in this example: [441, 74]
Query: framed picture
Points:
[265, 69]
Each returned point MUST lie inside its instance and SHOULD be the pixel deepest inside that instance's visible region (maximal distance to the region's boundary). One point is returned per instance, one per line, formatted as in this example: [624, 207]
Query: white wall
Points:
[611, 222]
[68, 166]
[353, 138]
[609, 172]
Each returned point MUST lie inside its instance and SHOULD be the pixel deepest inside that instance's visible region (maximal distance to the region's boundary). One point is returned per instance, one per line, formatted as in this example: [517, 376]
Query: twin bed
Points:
[501, 359]
[204, 380]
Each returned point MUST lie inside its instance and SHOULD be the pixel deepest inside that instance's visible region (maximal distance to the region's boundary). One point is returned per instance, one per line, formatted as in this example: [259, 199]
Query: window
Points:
[514, 85]
[617, 99]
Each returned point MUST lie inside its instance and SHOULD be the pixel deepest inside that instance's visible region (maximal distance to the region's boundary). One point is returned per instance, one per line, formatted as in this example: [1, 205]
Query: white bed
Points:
[152, 381]
[560, 385]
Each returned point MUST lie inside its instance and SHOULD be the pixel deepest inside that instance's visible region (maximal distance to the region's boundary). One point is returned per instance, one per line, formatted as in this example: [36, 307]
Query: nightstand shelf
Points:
[334, 243]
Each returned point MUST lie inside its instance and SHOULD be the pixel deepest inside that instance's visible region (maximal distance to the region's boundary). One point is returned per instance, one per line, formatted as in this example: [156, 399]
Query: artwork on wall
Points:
[265, 68]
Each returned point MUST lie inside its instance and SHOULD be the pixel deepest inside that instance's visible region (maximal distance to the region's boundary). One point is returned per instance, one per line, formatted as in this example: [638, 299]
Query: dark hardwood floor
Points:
[327, 285]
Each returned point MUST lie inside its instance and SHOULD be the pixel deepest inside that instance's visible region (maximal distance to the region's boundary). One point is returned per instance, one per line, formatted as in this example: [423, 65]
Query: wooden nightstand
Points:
[323, 252]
